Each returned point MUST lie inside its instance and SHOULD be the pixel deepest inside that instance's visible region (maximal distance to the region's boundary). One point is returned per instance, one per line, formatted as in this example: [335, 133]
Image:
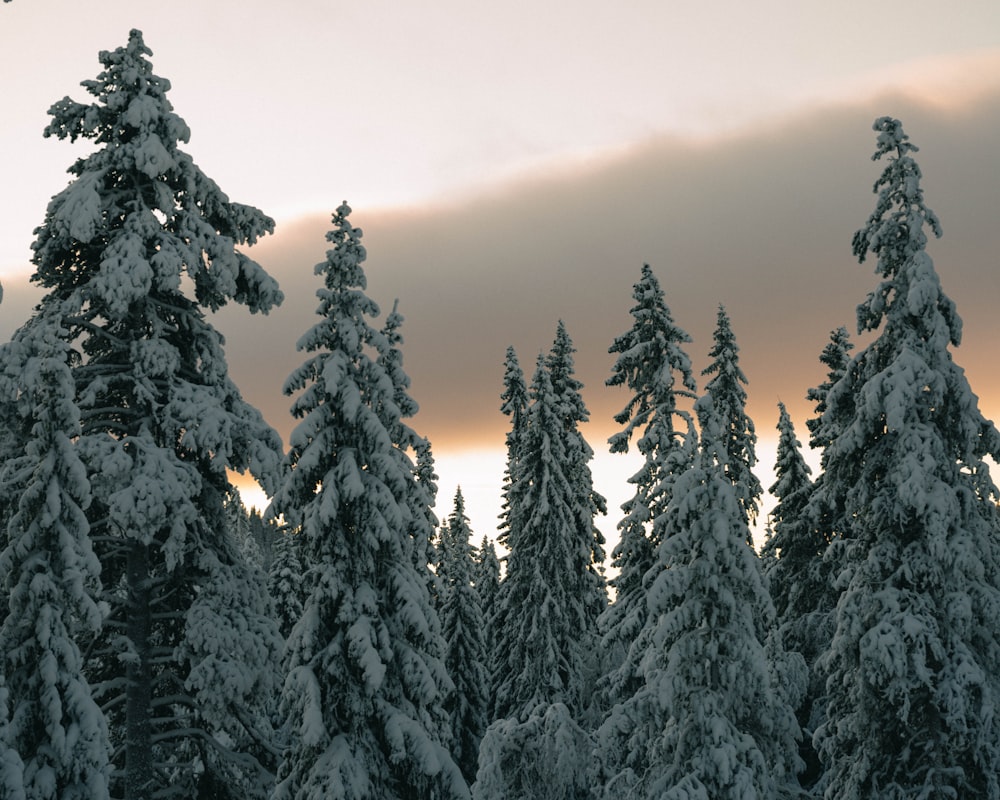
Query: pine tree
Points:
[365, 684]
[727, 733]
[53, 736]
[652, 364]
[160, 420]
[912, 671]
[726, 388]
[462, 624]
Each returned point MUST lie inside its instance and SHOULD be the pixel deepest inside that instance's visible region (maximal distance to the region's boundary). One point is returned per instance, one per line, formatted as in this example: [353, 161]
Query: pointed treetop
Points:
[143, 203]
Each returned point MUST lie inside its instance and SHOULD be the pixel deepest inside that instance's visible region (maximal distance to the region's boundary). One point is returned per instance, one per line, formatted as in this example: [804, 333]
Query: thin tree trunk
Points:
[138, 691]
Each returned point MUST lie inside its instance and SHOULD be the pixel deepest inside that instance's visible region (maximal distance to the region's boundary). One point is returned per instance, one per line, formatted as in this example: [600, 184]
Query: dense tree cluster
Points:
[157, 639]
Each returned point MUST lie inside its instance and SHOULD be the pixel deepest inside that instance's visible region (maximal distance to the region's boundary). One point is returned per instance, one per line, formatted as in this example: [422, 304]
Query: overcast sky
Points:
[515, 163]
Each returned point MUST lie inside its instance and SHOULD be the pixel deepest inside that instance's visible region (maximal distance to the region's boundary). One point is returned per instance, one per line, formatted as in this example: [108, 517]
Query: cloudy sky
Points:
[515, 163]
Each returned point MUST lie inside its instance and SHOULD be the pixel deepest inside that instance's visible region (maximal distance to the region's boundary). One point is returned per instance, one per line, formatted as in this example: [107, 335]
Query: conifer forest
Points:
[159, 640]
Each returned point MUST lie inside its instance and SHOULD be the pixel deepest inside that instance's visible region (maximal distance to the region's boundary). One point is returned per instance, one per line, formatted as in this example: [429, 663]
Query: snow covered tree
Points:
[546, 756]
[423, 489]
[912, 671]
[285, 581]
[462, 624]
[578, 456]
[365, 686]
[652, 364]
[53, 736]
[119, 251]
[515, 406]
[798, 581]
[486, 579]
[791, 549]
[729, 397]
[726, 730]
[546, 620]
[836, 356]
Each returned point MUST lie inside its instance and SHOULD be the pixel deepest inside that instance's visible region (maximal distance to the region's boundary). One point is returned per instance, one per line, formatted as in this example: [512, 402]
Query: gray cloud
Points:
[761, 222]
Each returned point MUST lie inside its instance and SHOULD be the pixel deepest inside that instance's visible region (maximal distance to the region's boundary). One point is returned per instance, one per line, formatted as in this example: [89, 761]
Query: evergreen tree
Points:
[836, 356]
[462, 623]
[546, 620]
[727, 732]
[652, 364]
[545, 756]
[365, 685]
[791, 549]
[798, 583]
[53, 736]
[285, 581]
[160, 420]
[912, 671]
[579, 454]
[486, 579]
[515, 406]
[729, 397]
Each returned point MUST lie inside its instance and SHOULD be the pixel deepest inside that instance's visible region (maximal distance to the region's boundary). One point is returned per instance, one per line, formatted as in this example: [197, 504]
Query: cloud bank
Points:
[761, 222]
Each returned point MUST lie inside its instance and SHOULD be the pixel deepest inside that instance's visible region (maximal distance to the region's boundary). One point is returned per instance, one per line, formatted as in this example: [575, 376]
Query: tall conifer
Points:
[726, 387]
[132, 253]
[913, 665]
[365, 686]
[462, 624]
[654, 367]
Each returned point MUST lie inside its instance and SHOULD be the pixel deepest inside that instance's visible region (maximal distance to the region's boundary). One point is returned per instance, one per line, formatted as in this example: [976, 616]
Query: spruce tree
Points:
[53, 736]
[653, 365]
[486, 579]
[365, 686]
[546, 627]
[285, 581]
[790, 550]
[912, 671]
[729, 396]
[463, 628]
[119, 253]
[579, 454]
[727, 731]
[515, 406]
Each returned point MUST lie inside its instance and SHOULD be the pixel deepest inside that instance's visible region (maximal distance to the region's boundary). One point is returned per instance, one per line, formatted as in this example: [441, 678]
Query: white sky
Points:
[295, 106]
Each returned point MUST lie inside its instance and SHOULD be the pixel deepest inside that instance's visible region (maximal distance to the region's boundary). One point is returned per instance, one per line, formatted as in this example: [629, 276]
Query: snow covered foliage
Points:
[545, 756]
[286, 581]
[578, 455]
[654, 367]
[791, 549]
[365, 685]
[160, 420]
[551, 595]
[486, 579]
[725, 731]
[53, 736]
[914, 663]
[464, 631]
[515, 406]
[729, 397]
[836, 356]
